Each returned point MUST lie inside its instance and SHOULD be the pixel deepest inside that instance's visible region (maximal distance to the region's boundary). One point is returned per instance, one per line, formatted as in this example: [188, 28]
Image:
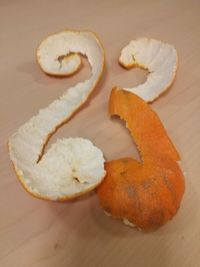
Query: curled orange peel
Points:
[72, 166]
[159, 58]
[144, 194]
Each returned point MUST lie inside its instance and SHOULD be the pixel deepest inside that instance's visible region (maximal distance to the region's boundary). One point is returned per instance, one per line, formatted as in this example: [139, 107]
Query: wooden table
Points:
[42, 234]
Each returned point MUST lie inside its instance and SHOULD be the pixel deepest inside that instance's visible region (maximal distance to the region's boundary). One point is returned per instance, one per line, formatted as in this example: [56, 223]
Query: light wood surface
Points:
[43, 234]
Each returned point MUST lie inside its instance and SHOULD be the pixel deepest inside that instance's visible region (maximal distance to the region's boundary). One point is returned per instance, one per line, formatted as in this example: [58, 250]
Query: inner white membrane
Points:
[159, 58]
[71, 165]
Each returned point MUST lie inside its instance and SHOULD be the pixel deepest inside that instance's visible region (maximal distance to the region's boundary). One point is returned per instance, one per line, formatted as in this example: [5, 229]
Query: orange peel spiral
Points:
[72, 166]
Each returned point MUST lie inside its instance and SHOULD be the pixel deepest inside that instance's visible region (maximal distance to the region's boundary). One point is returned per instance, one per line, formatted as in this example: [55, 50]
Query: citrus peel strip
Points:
[159, 58]
[146, 194]
[71, 166]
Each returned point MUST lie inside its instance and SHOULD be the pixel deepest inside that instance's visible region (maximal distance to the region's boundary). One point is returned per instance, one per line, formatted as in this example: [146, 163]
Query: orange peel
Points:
[73, 166]
[146, 194]
[159, 58]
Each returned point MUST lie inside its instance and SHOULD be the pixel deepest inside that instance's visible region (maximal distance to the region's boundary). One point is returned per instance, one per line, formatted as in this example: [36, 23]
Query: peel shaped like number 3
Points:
[146, 194]
[71, 166]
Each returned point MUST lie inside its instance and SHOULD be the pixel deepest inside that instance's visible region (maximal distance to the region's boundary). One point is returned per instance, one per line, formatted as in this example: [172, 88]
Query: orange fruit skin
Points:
[148, 194]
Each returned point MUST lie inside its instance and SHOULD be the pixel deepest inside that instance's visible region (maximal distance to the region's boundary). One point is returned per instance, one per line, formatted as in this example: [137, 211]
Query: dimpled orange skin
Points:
[148, 194]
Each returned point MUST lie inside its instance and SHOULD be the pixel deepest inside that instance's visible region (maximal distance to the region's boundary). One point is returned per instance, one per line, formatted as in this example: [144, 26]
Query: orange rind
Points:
[143, 194]
[158, 58]
[73, 166]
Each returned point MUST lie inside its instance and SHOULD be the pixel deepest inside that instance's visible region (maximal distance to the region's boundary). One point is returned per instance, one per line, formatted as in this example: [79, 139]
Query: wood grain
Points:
[39, 234]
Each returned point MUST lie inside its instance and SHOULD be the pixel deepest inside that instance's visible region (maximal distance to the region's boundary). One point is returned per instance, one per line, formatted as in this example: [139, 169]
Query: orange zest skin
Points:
[147, 194]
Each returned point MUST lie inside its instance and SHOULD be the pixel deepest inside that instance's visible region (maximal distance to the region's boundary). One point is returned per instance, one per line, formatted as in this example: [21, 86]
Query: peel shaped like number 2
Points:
[145, 194]
[71, 166]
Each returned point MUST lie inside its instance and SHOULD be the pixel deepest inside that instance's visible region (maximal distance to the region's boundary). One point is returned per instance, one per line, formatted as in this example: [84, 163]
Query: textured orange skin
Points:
[148, 194]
